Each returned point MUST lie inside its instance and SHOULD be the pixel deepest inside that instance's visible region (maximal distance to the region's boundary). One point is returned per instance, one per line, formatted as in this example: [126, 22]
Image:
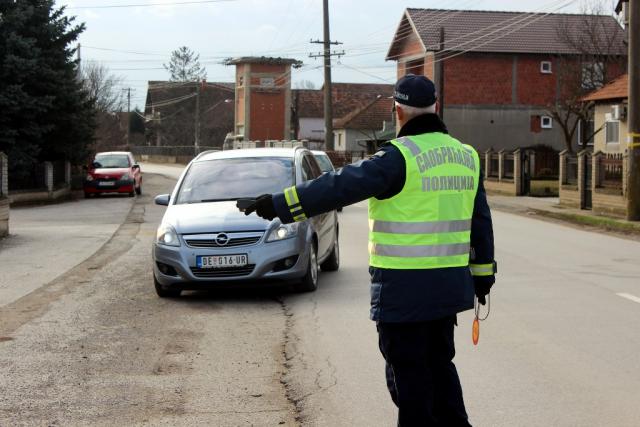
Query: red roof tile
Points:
[370, 116]
[617, 89]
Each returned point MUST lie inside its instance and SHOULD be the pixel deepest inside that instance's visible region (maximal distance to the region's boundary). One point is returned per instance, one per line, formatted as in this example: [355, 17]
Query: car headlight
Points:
[89, 177]
[283, 231]
[125, 177]
[167, 235]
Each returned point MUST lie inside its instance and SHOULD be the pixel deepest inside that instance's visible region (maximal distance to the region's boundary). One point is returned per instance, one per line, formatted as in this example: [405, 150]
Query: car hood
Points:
[212, 218]
[110, 172]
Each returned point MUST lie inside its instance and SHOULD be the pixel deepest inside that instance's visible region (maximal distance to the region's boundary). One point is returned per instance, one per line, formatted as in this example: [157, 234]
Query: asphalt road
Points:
[96, 346]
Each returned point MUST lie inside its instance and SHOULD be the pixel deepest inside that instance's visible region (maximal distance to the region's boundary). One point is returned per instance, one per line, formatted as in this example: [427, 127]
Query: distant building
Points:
[610, 116]
[501, 69]
[170, 112]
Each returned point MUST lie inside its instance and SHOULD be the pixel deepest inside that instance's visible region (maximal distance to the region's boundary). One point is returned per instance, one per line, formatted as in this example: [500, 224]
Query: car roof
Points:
[249, 152]
[319, 153]
[113, 152]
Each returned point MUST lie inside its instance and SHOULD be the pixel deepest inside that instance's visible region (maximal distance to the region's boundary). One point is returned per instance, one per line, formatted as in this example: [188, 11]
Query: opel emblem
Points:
[222, 239]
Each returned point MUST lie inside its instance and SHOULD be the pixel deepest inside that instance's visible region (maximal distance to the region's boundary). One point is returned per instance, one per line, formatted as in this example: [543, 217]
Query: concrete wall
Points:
[500, 127]
[311, 128]
[603, 114]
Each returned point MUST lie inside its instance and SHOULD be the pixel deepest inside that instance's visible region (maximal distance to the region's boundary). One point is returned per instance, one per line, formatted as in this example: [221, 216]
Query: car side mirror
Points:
[162, 199]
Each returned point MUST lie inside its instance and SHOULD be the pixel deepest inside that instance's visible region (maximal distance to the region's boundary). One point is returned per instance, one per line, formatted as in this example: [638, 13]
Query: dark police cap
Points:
[415, 91]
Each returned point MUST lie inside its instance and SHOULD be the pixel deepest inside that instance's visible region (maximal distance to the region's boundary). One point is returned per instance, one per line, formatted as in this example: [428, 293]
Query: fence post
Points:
[48, 176]
[562, 168]
[582, 164]
[487, 163]
[67, 173]
[517, 172]
[4, 175]
[500, 165]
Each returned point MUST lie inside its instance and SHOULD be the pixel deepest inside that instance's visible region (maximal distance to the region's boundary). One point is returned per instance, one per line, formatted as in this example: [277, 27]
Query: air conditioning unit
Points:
[619, 112]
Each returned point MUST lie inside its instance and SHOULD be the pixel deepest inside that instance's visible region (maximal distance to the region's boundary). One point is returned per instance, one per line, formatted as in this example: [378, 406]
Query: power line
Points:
[179, 3]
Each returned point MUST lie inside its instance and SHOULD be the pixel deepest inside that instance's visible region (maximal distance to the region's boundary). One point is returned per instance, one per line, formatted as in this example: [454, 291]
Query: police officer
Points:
[430, 247]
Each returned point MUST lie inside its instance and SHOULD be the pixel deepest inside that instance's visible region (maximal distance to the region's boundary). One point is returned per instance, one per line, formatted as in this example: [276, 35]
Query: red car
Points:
[113, 172]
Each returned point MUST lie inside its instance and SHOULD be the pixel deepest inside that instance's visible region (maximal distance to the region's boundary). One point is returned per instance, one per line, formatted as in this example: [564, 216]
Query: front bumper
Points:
[264, 261]
[109, 186]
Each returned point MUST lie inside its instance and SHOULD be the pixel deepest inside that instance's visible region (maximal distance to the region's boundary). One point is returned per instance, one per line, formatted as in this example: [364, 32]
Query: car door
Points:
[326, 222]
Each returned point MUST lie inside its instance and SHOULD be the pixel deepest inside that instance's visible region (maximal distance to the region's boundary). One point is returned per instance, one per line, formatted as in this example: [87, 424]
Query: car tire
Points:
[164, 292]
[309, 282]
[139, 189]
[332, 263]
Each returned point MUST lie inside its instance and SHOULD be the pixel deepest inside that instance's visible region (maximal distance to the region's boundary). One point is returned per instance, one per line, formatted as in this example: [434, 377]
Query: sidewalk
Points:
[549, 207]
[47, 241]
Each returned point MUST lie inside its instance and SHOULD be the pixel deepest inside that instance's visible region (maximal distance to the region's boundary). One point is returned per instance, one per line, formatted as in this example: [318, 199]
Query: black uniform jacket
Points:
[400, 295]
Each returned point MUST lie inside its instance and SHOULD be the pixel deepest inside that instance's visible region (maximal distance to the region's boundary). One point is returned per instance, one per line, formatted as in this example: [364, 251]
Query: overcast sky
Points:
[230, 28]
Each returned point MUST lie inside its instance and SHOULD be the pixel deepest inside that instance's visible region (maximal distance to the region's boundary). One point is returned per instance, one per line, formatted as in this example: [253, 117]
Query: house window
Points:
[546, 122]
[612, 132]
[545, 67]
[592, 75]
[267, 82]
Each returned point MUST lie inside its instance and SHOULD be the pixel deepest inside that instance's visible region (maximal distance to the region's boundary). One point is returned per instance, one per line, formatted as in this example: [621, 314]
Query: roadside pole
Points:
[196, 131]
[633, 182]
[441, 75]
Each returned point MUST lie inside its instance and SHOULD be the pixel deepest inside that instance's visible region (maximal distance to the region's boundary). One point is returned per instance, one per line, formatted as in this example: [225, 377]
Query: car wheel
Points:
[164, 292]
[332, 263]
[309, 282]
[139, 189]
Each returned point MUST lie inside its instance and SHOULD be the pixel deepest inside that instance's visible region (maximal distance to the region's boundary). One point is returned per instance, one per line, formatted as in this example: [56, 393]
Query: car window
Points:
[307, 171]
[315, 169]
[231, 179]
[324, 162]
[112, 161]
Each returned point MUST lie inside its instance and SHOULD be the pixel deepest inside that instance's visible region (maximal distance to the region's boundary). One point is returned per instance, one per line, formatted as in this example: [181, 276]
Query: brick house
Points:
[170, 111]
[360, 111]
[501, 70]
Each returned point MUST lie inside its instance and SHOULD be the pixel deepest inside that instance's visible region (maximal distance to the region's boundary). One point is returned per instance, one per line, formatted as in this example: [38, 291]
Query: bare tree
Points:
[104, 87]
[305, 84]
[184, 66]
[600, 57]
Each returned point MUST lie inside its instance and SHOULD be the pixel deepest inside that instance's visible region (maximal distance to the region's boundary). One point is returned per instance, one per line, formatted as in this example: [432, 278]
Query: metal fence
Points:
[59, 174]
[571, 170]
[546, 165]
[508, 166]
[610, 171]
[28, 178]
[494, 165]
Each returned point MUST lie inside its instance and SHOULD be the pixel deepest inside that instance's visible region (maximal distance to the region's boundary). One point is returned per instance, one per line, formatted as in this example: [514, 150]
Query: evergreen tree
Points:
[45, 113]
[184, 66]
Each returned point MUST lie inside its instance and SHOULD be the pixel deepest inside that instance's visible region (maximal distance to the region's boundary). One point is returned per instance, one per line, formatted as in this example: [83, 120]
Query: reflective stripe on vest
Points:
[428, 224]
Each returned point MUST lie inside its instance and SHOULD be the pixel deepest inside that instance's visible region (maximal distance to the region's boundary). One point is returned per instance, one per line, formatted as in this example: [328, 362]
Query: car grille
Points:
[223, 272]
[211, 243]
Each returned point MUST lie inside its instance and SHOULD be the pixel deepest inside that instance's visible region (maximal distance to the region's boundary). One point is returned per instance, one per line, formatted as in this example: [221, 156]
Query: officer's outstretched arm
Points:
[333, 190]
[481, 263]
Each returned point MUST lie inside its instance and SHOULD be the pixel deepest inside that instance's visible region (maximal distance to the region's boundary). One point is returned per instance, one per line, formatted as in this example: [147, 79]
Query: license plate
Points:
[107, 184]
[222, 261]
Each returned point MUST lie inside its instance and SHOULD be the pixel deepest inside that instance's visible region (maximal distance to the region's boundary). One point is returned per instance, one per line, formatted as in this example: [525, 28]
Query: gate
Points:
[587, 179]
[525, 172]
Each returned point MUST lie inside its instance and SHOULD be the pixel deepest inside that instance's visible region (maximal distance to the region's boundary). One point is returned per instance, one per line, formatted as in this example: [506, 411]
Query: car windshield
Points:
[231, 179]
[324, 162]
[111, 161]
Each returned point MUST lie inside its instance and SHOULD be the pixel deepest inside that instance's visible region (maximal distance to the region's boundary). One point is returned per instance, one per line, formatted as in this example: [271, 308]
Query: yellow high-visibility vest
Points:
[428, 224]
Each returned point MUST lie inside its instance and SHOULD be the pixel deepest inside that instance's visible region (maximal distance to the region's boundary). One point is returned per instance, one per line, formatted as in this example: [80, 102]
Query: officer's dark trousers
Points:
[421, 376]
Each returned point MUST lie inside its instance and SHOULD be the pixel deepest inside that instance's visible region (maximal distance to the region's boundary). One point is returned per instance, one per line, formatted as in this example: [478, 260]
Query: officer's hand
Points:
[482, 285]
[263, 207]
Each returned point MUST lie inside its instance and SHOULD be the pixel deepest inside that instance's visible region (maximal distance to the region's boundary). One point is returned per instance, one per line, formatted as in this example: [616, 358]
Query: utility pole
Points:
[327, 54]
[196, 143]
[441, 75]
[128, 115]
[633, 181]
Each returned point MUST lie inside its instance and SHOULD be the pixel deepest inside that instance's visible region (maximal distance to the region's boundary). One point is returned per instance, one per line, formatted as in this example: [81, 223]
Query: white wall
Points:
[311, 129]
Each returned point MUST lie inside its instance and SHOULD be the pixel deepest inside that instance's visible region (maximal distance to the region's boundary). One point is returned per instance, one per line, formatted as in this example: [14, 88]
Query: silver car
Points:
[205, 242]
